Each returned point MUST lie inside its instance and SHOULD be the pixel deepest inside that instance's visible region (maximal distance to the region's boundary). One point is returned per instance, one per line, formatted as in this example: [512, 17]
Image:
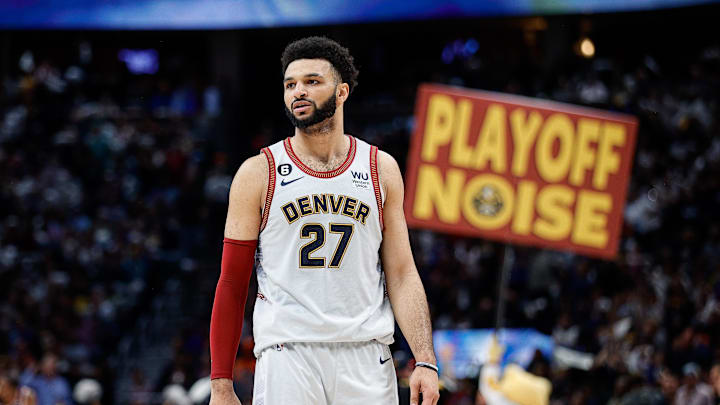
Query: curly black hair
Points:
[323, 48]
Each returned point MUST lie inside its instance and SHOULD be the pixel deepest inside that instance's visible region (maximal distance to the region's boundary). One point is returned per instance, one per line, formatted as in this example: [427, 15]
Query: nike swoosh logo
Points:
[384, 361]
[285, 183]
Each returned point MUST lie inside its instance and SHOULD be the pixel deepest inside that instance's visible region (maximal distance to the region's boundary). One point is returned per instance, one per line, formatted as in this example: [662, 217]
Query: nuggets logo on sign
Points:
[520, 170]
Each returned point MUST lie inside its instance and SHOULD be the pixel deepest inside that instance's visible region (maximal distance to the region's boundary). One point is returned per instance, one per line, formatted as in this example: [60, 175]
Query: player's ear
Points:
[342, 92]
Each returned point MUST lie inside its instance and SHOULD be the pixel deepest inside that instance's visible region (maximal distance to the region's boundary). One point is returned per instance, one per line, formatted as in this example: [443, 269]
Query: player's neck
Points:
[321, 147]
[324, 143]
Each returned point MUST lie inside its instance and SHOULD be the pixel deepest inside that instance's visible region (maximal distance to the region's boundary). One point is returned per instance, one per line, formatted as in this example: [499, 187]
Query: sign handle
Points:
[503, 280]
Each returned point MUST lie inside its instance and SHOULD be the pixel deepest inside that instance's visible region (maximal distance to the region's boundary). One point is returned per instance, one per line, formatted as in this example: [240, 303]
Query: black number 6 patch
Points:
[284, 169]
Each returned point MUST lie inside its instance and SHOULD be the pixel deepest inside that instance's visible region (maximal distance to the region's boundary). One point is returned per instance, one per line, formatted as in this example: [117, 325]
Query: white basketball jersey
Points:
[318, 266]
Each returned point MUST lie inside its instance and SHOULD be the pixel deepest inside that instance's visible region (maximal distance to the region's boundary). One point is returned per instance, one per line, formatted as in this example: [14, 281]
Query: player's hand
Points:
[222, 393]
[224, 399]
[425, 381]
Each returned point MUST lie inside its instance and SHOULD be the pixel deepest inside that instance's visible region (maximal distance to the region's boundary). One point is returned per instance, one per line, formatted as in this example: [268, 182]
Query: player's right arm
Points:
[242, 226]
[247, 197]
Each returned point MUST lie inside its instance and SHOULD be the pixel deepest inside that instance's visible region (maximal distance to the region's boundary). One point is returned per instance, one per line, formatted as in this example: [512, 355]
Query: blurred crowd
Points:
[104, 186]
[107, 186]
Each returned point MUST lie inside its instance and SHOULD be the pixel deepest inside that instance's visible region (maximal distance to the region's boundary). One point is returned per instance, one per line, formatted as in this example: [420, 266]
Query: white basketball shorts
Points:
[325, 374]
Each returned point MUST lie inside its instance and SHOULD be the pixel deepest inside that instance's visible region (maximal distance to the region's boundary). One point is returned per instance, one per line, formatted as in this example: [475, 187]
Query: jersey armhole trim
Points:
[270, 188]
[376, 183]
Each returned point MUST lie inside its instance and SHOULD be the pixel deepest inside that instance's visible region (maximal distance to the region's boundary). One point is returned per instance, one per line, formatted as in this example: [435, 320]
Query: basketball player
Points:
[322, 208]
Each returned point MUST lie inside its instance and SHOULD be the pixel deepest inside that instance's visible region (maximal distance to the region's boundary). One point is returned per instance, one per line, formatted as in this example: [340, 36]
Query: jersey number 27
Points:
[317, 232]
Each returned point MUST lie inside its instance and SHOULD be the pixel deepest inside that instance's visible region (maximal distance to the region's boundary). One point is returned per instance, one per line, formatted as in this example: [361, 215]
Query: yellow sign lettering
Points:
[591, 219]
[438, 125]
[434, 193]
[492, 143]
[525, 210]
[588, 130]
[555, 219]
[608, 161]
[524, 131]
[460, 152]
[554, 168]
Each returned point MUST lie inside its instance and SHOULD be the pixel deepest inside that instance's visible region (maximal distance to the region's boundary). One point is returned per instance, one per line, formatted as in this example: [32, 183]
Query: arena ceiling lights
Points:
[236, 14]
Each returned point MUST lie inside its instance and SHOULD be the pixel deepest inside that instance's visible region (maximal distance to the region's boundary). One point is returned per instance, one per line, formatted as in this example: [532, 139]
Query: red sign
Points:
[519, 170]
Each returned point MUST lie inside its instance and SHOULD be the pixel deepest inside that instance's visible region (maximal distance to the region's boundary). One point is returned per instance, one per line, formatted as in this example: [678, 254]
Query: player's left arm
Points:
[407, 295]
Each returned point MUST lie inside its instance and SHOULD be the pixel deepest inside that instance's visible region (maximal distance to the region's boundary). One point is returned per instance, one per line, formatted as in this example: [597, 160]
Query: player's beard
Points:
[320, 114]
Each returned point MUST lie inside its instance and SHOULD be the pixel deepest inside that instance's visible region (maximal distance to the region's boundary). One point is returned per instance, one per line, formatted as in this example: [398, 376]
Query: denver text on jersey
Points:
[326, 203]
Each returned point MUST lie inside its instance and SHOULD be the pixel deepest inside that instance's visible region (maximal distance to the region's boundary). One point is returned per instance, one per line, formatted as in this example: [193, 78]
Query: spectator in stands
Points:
[715, 383]
[12, 393]
[693, 391]
[140, 391]
[51, 388]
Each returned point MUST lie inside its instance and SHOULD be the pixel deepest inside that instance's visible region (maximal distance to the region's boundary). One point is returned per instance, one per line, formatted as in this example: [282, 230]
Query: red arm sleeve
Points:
[229, 306]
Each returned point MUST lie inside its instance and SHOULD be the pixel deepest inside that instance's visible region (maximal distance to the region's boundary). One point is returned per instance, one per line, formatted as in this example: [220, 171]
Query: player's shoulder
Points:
[385, 159]
[389, 171]
[254, 170]
[250, 181]
[253, 165]
[387, 164]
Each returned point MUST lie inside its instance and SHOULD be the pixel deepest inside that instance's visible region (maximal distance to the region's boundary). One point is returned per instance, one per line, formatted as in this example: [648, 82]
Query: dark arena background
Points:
[123, 122]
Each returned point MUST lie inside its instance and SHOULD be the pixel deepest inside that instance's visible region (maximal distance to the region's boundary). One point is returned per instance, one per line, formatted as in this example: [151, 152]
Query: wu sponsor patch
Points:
[360, 179]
